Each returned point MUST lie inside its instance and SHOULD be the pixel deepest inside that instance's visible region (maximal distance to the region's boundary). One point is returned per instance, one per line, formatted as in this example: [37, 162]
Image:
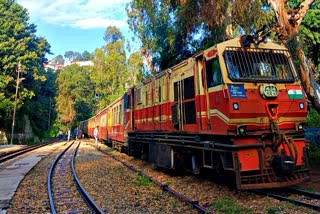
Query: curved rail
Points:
[54, 163]
[84, 193]
[85, 196]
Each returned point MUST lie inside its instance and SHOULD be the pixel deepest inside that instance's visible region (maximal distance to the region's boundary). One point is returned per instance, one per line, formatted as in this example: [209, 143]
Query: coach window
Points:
[146, 97]
[159, 99]
[112, 116]
[120, 113]
[138, 95]
[213, 72]
[175, 91]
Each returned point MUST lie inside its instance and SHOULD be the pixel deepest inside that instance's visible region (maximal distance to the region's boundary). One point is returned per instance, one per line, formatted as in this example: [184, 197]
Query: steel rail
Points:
[283, 198]
[49, 183]
[195, 204]
[90, 202]
[12, 154]
[314, 195]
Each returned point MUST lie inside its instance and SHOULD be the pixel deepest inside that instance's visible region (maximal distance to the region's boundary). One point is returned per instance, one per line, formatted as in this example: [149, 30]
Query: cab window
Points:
[213, 73]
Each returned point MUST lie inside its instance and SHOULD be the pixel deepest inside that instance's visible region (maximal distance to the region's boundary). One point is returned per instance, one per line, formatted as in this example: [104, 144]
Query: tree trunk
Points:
[287, 24]
[150, 66]
[309, 84]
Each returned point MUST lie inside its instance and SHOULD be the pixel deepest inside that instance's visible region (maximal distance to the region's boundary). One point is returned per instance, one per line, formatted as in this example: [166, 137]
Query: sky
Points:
[76, 25]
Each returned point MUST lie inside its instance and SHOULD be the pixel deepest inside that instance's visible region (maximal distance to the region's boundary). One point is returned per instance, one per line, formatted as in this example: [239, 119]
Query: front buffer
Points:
[277, 163]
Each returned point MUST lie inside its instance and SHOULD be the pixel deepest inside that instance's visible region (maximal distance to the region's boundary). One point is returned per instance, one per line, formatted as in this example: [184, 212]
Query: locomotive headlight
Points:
[299, 127]
[268, 91]
[241, 130]
[301, 105]
[235, 106]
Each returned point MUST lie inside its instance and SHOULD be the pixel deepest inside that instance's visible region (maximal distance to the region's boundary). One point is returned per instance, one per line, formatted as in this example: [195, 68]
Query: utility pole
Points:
[49, 113]
[15, 101]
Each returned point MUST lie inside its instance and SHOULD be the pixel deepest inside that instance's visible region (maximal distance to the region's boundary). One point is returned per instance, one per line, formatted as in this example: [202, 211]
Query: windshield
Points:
[258, 65]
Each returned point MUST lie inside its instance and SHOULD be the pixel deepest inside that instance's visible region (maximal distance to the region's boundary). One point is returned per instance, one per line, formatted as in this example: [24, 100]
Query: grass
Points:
[273, 210]
[142, 180]
[227, 206]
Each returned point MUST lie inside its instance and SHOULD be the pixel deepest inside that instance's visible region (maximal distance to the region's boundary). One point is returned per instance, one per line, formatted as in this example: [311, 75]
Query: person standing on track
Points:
[96, 134]
[68, 134]
[75, 133]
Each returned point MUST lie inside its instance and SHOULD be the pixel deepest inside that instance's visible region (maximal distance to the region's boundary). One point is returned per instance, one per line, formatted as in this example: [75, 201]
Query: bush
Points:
[314, 155]
[313, 119]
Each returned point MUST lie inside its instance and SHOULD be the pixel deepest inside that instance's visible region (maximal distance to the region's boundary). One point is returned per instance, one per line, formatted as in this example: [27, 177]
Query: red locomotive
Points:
[236, 108]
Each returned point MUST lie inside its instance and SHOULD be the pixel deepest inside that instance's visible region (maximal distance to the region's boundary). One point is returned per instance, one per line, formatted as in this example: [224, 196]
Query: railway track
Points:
[195, 204]
[164, 187]
[295, 196]
[66, 194]
[15, 153]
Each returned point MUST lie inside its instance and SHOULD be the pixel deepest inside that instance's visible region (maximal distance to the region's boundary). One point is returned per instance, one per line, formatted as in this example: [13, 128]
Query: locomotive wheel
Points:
[219, 173]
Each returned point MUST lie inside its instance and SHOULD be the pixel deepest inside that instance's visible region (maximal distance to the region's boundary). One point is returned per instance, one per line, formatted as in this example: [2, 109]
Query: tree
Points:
[157, 27]
[288, 20]
[70, 55]
[309, 32]
[110, 72]
[58, 60]
[43, 102]
[18, 43]
[171, 31]
[86, 56]
[75, 94]
[135, 68]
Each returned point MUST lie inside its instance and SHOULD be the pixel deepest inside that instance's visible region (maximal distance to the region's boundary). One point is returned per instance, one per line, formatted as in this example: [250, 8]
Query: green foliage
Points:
[110, 73]
[309, 31]
[314, 155]
[18, 43]
[313, 119]
[58, 60]
[156, 25]
[135, 69]
[226, 206]
[249, 16]
[75, 94]
[142, 180]
[171, 31]
[273, 210]
[40, 109]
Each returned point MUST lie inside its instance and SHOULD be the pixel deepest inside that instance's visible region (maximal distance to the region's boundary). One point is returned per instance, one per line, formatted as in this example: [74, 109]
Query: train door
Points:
[183, 109]
[131, 106]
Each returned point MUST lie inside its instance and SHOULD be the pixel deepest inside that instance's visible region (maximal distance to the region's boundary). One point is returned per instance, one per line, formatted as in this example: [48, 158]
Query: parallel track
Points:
[194, 204]
[12, 154]
[304, 194]
[66, 194]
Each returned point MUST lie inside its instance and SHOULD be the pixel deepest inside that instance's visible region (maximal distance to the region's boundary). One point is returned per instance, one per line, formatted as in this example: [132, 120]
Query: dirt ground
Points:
[314, 184]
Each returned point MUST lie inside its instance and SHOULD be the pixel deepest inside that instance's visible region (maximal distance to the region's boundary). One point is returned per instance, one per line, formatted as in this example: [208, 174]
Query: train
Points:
[236, 109]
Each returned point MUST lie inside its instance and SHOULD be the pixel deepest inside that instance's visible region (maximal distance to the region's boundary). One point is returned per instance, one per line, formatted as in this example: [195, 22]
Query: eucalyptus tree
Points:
[75, 94]
[288, 20]
[135, 68]
[18, 44]
[154, 23]
[174, 30]
[171, 30]
[310, 32]
[110, 72]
